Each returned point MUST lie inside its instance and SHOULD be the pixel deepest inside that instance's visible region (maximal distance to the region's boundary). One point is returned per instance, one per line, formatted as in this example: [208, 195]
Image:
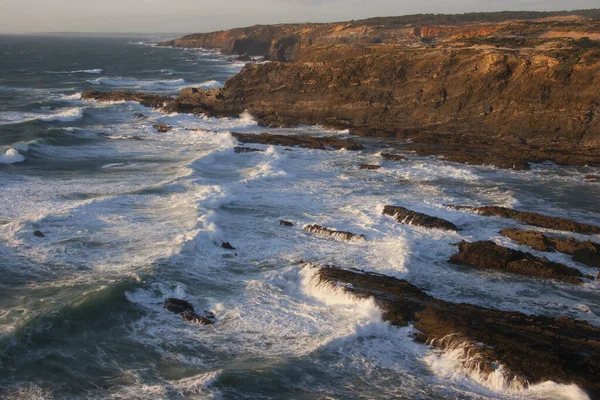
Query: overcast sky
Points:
[27, 16]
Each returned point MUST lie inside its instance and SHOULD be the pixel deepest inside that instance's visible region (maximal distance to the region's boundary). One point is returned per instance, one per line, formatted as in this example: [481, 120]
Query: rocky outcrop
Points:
[535, 219]
[586, 252]
[283, 222]
[592, 179]
[568, 350]
[321, 230]
[240, 149]
[227, 245]
[145, 99]
[162, 128]
[393, 157]
[308, 142]
[369, 166]
[186, 310]
[406, 216]
[489, 255]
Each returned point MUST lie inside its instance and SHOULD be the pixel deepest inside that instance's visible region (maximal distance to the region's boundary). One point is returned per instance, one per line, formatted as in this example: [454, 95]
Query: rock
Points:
[592, 179]
[535, 219]
[393, 157]
[586, 252]
[489, 255]
[245, 150]
[568, 350]
[178, 306]
[406, 216]
[369, 166]
[320, 230]
[162, 128]
[309, 142]
[139, 116]
[244, 57]
[227, 245]
[38, 234]
[285, 223]
[191, 316]
[147, 100]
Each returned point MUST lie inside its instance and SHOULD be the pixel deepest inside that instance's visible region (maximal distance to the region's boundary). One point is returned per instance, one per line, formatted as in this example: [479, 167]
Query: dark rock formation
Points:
[240, 149]
[535, 219]
[38, 234]
[162, 128]
[227, 245]
[532, 349]
[186, 310]
[406, 216]
[178, 306]
[139, 116]
[592, 179]
[393, 157]
[195, 318]
[147, 100]
[369, 166]
[489, 255]
[309, 142]
[320, 230]
[586, 252]
[285, 223]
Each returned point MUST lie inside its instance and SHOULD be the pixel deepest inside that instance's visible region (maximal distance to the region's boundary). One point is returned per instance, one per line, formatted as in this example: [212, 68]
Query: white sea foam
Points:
[67, 115]
[11, 156]
[114, 81]
[64, 115]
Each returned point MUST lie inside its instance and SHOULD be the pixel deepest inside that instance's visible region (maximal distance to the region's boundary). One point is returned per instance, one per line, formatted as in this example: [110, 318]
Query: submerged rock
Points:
[406, 216]
[488, 255]
[227, 245]
[535, 219]
[285, 223]
[586, 252]
[320, 230]
[394, 157]
[240, 149]
[309, 142]
[369, 166]
[592, 179]
[162, 128]
[191, 316]
[186, 310]
[178, 306]
[38, 234]
[531, 349]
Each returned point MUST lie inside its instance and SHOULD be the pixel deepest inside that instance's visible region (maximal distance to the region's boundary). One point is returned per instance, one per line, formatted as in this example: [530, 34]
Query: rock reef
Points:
[406, 216]
[308, 142]
[323, 231]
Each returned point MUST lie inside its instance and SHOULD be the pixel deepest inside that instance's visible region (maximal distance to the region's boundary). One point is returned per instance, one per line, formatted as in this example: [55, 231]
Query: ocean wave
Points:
[11, 156]
[114, 81]
[78, 71]
[64, 115]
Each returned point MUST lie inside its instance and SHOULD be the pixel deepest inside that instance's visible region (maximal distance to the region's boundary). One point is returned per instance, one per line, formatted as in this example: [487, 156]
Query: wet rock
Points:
[309, 142]
[227, 245]
[240, 149]
[192, 317]
[285, 223]
[592, 179]
[145, 99]
[586, 252]
[139, 116]
[488, 255]
[320, 230]
[393, 157]
[178, 306]
[406, 216]
[568, 350]
[535, 219]
[369, 166]
[38, 234]
[162, 128]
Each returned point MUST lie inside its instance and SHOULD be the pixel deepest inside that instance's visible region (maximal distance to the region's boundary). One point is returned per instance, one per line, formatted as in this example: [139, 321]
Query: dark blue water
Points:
[132, 216]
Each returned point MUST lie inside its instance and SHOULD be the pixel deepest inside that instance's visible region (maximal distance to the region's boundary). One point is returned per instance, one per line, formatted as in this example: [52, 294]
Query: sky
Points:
[188, 16]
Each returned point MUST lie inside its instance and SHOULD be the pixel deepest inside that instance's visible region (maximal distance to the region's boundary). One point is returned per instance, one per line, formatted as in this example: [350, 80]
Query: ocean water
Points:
[128, 223]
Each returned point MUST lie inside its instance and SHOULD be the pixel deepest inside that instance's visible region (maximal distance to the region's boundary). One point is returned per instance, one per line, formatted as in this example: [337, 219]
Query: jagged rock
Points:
[139, 116]
[406, 216]
[320, 230]
[145, 99]
[592, 179]
[394, 157]
[191, 316]
[586, 252]
[240, 149]
[285, 223]
[38, 234]
[162, 128]
[178, 306]
[568, 350]
[535, 219]
[309, 142]
[227, 245]
[369, 166]
[488, 255]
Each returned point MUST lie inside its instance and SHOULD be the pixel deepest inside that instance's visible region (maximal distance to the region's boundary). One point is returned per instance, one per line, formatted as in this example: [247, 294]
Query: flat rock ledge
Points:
[535, 219]
[531, 349]
[307, 142]
[321, 230]
[586, 252]
[488, 255]
[145, 99]
[406, 216]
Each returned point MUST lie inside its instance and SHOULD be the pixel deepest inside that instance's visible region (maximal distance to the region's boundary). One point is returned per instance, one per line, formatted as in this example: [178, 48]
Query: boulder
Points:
[320, 230]
[285, 223]
[38, 234]
[393, 157]
[240, 149]
[227, 245]
[369, 166]
[406, 216]
[162, 128]
[178, 306]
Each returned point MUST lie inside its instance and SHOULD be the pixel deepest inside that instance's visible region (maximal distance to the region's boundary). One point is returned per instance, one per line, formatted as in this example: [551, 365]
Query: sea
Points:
[131, 217]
